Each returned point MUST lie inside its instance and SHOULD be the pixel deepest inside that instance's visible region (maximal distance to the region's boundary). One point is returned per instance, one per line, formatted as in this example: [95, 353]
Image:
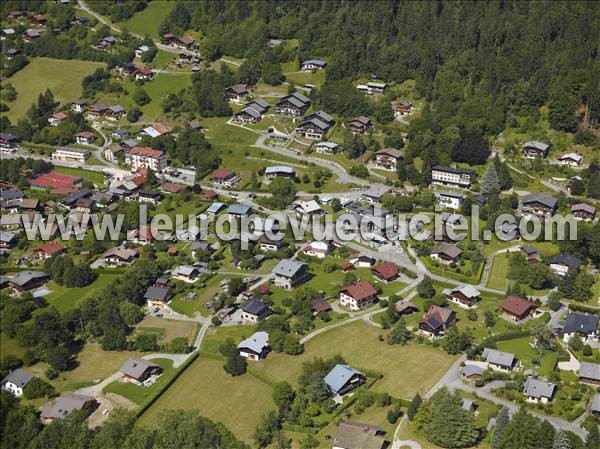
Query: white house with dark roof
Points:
[255, 347]
[583, 325]
[465, 296]
[570, 159]
[538, 391]
[290, 273]
[583, 212]
[535, 148]
[539, 205]
[139, 370]
[293, 105]
[452, 177]
[499, 360]
[326, 147]
[562, 263]
[16, 381]
[186, 273]
[255, 310]
[313, 64]
[450, 200]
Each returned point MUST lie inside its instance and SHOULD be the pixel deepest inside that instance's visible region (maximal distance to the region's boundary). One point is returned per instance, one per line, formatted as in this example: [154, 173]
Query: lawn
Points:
[358, 344]
[149, 19]
[62, 77]
[497, 277]
[141, 395]
[203, 294]
[168, 329]
[94, 177]
[238, 402]
[93, 366]
[64, 299]
[523, 351]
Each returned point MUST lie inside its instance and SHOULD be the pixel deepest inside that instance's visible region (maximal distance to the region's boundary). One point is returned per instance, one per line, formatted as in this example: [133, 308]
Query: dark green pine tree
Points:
[521, 432]
[546, 436]
[502, 420]
[490, 184]
[561, 441]
[413, 408]
[593, 438]
[567, 284]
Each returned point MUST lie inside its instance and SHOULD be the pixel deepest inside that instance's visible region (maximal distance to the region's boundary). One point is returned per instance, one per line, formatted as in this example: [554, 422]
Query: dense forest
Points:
[484, 60]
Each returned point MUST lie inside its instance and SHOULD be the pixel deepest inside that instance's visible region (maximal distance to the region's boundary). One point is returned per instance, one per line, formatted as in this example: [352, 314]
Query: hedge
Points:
[159, 393]
[584, 308]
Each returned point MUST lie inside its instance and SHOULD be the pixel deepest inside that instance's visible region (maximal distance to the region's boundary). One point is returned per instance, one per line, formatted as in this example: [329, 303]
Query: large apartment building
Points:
[146, 157]
[453, 177]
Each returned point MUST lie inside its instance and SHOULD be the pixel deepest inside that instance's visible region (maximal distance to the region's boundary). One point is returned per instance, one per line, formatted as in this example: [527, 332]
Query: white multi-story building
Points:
[146, 157]
[71, 154]
[454, 177]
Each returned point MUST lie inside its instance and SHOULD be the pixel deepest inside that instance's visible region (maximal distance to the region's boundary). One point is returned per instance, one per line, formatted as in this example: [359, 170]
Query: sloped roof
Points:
[387, 270]
[468, 290]
[589, 370]
[288, 267]
[23, 277]
[257, 342]
[64, 405]
[137, 367]
[159, 293]
[538, 388]
[578, 322]
[339, 375]
[471, 370]
[18, 377]
[516, 306]
[500, 358]
[360, 290]
[239, 209]
[355, 435]
[596, 403]
[536, 144]
[566, 259]
[255, 306]
[542, 198]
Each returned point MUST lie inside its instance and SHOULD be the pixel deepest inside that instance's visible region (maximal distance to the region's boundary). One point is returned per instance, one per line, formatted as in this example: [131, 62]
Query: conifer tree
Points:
[561, 441]
[490, 184]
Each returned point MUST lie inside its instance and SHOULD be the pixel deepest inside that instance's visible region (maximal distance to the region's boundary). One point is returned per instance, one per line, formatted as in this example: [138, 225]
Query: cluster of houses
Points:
[535, 149]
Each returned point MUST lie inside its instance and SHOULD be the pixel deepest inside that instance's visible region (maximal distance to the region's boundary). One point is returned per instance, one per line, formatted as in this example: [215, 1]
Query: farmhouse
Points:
[326, 148]
[290, 273]
[255, 347]
[292, 105]
[583, 212]
[119, 255]
[28, 280]
[436, 321]
[146, 157]
[313, 64]
[85, 138]
[237, 92]
[71, 154]
[156, 297]
[385, 271]
[538, 391]
[139, 370]
[584, 326]
[388, 158]
[255, 310]
[316, 125]
[48, 249]
[517, 309]
[307, 208]
[115, 112]
[16, 381]
[499, 360]
[359, 125]
[9, 142]
[279, 171]
[343, 379]
[589, 373]
[267, 244]
[57, 118]
[562, 263]
[358, 296]
[186, 273]
[224, 178]
[465, 296]
[318, 249]
[570, 159]
[452, 177]
[446, 254]
[95, 111]
[66, 404]
[355, 435]
[540, 205]
[534, 148]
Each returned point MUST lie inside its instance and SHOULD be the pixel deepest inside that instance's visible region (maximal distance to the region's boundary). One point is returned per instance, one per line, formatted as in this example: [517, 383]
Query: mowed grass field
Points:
[237, 402]
[149, 19]
[62, 77]
[168, 329]
[406, 369]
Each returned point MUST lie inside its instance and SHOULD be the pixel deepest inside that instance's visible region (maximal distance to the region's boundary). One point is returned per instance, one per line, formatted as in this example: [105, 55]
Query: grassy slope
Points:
[62, 77]
[64, 298]
[149, 19]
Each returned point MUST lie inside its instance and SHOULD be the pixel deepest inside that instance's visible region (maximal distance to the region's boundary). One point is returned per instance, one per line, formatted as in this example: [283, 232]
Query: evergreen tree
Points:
[521, 432]
[236, 365]
[502, 420]
[399, 334]
[593, 188]
[413, 408]
[447, 424]
[593, 438]
[582, 289]
[546, 436]
[297, 63]
[567, 284]
[490, 184]
[561, 441]
[425, 288]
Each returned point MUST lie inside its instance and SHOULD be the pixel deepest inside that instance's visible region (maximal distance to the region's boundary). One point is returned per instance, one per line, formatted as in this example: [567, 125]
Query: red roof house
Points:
[358, 296]
[386, 271]
[516, 308]
[48, 250]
